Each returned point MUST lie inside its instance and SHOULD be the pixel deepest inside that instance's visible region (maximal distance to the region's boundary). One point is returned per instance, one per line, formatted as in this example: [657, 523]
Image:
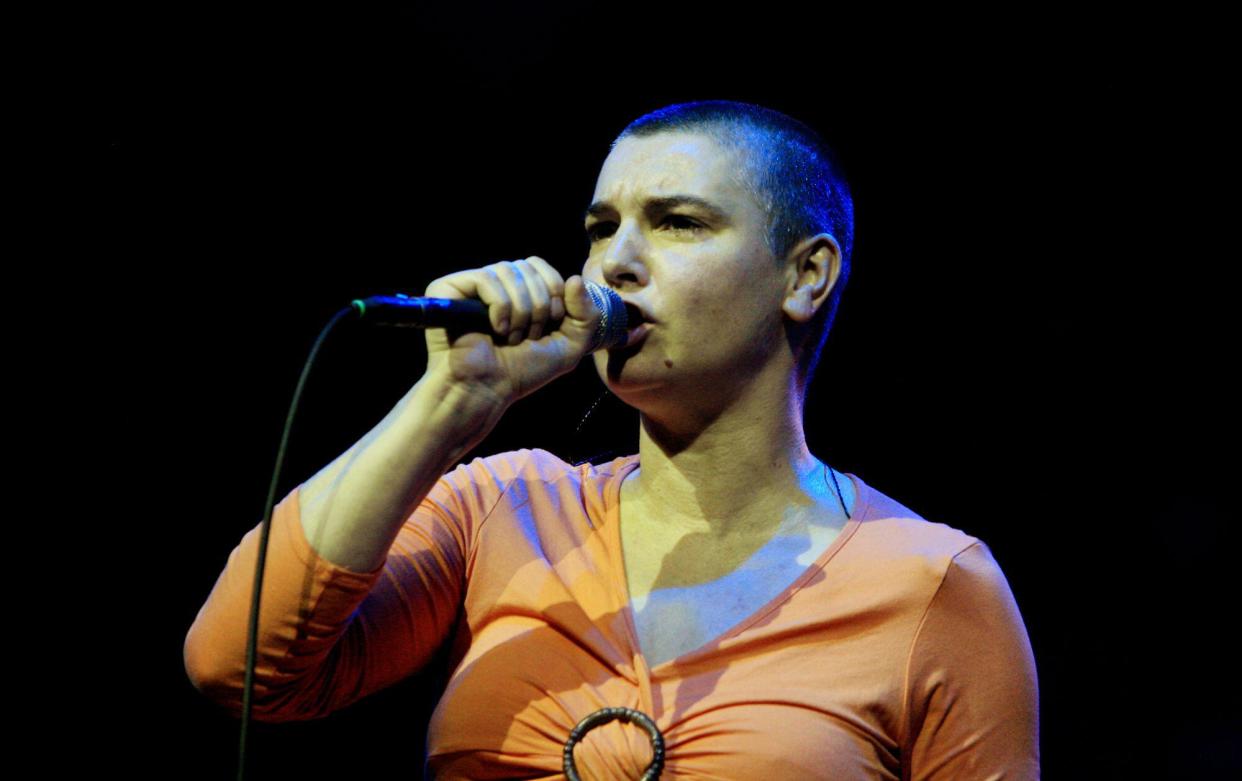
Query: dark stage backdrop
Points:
[1028, 349]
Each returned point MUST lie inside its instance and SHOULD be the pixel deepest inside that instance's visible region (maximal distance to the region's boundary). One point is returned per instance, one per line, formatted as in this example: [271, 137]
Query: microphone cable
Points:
[252, 630]
[577, 452]
[385, 311]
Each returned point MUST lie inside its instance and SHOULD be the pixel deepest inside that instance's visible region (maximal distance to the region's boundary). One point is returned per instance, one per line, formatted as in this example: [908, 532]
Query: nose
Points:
[624, 261]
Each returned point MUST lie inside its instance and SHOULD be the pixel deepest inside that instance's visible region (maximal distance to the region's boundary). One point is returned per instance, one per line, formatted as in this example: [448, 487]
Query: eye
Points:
[598, 231]
[681, 222]
[677, 222]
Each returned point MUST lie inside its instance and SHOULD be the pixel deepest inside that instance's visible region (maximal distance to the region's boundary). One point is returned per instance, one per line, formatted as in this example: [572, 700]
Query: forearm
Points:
[354, 507]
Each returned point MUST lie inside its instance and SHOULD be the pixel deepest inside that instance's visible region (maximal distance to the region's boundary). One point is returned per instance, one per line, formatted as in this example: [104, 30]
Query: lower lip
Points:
[636, 335]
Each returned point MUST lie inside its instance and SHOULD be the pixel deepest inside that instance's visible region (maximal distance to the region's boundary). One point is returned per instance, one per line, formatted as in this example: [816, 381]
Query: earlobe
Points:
[799, 305]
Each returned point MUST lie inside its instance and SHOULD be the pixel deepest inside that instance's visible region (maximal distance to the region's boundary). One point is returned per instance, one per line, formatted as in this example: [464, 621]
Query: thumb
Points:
[584, 320]
[578, 303]
[597, 310]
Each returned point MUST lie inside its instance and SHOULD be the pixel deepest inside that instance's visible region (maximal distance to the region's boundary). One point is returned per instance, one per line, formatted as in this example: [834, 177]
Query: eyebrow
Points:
[664, 204]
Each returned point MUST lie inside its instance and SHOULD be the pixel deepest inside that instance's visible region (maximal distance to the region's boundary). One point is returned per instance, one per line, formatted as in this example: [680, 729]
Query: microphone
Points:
[470, 315]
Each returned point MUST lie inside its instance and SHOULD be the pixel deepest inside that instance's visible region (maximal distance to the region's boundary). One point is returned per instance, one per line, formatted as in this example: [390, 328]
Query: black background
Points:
[1030, 348]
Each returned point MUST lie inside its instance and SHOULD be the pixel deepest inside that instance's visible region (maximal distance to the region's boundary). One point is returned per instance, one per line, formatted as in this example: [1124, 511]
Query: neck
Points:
[735, 469]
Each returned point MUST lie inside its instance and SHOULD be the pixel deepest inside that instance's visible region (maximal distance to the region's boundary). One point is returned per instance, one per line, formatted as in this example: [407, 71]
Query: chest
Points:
[689, 590]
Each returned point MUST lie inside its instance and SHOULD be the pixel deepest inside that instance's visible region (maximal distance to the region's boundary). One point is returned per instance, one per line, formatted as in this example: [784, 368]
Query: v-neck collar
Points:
[612, 522]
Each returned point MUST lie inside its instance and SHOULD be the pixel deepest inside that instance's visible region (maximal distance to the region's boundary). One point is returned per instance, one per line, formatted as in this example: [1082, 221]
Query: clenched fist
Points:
[545, 326]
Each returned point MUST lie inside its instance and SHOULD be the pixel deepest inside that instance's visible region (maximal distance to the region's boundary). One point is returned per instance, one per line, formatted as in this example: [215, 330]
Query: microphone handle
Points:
[466, 314]
[470, 315]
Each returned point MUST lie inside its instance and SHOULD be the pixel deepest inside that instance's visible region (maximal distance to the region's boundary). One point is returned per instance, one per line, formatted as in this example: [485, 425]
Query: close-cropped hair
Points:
[790, 172]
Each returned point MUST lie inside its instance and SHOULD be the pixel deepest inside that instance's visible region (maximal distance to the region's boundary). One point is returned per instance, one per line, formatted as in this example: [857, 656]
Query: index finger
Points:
[482, 284]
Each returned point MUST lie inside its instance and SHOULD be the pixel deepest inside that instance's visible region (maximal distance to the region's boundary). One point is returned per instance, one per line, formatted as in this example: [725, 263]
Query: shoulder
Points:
[970, 676]
[516, 476]
[530, 499]
[949, 576]
[899, 540]
[933, 568]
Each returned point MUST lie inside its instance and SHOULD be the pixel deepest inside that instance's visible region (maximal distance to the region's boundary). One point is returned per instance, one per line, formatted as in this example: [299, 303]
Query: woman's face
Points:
[676, 234]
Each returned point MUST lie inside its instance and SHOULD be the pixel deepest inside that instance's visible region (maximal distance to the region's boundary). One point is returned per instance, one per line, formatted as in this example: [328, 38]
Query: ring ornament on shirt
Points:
[628, 715]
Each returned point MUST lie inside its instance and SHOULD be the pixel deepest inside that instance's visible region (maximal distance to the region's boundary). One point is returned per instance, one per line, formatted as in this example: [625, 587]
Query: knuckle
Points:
[495, 274]
[526, 271]
[552, 272]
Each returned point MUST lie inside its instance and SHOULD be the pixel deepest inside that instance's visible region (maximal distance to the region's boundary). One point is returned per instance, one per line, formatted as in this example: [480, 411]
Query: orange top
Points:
[898, 654]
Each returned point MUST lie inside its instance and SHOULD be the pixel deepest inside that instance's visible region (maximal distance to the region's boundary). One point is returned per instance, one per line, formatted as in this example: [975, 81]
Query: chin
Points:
[618, 372]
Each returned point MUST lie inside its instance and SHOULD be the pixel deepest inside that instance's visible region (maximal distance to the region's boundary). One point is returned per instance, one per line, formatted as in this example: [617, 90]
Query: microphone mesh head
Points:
[613, 327]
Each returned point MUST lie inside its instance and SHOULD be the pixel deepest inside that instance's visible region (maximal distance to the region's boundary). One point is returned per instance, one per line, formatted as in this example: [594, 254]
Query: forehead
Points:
[645, 167]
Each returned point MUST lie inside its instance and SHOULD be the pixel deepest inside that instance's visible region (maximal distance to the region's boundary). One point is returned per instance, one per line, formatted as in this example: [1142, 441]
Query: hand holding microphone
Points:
[507, 328]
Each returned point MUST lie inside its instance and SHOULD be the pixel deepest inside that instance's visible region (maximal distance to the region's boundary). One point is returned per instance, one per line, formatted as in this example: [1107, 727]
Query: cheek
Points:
[715, 294]
[702, 303]
[728, 299]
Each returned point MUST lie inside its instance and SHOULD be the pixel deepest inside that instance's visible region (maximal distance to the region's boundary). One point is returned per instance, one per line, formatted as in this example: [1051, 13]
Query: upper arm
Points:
[972, 695]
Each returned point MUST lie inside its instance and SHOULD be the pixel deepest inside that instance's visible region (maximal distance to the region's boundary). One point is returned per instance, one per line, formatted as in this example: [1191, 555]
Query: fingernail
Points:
[503, 328]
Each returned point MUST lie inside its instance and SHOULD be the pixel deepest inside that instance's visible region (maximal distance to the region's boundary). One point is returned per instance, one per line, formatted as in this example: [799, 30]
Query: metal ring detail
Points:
[628, 715]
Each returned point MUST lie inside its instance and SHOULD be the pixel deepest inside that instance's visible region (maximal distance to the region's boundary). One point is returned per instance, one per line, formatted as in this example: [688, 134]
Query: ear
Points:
[812, 269]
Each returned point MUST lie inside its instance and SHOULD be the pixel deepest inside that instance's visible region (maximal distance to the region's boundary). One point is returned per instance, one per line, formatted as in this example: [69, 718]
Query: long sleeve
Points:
[329, 636]
[972, 692]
